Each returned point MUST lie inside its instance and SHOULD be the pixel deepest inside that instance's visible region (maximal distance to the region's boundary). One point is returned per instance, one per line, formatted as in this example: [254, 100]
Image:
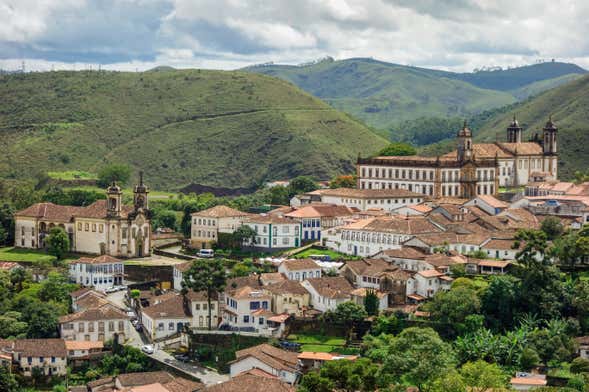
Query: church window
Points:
[79, 226]
[134, 232]
[100, 228]
[93, 227]
[124, 233]
[87, 227]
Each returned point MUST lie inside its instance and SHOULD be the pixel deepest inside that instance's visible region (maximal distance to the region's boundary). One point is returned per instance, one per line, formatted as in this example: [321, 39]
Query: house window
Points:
[87, 227]
[90, 327]
[94, 227]
[100, 228]
[246, 319]
[160, 326]
[170, 326]
[101, 326]
[79, 226]
[212, 306]
[80, 327]
[111, 326]
[197, 306]
[121, 325]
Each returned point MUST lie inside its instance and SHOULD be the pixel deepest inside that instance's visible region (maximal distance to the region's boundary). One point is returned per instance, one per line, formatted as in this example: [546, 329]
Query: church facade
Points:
[472, 169]
[104, 227]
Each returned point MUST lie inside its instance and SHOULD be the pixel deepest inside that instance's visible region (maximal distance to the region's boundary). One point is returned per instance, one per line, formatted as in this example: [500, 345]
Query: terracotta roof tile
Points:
[40, 347]
[370, 267]
[170, 308]
[220, 211]
[144, 378]
[50, 211]
[331, 287]
[272, 356]
[299, 264]
[286, 287]
[369, 193]
[251, 383]
[320, 211]
[105, 312]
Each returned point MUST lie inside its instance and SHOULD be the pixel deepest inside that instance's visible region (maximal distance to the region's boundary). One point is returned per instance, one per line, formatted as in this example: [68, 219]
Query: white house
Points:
[300, 269]
[166, 318]
[429, 282]
[247, 308]
[362, 199]
[367, 237]
[207, 224]
[328, 292]
[95, 324]
[488, 203]
[178, 273]
[199, 308]
[100, 272]
[48, 355]
[273, 232]
[77, 349]
[317, 217]
[288, 297]
[272, 360]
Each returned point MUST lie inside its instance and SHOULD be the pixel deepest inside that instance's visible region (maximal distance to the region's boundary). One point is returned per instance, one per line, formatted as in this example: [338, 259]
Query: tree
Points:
[7, 381]
[398, 149]
[580, 365]
[164, 219]
[371, 303]
[343, 181]
[552, 227]
[55, 288]
[481, 376]
[17, 277]
[450, 382]
[208, 276]
[301, 184]
[313, 382]
[347, 314]
[452, 307]
[352, 376]
[499, 302]
[59, 242]
[11, 326]
[419, 356]
[542, 289]
[114, 172]
[279, 195]
[6, 223]
[243, 233]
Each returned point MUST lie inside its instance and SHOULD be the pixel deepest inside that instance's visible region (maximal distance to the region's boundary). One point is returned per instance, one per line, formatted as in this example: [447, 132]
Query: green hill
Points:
[569, 106]
[515, 78]
[384, 95]
[218, 128]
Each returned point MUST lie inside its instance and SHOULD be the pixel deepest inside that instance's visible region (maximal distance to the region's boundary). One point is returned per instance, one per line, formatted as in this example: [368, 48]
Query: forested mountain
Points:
[217, 128]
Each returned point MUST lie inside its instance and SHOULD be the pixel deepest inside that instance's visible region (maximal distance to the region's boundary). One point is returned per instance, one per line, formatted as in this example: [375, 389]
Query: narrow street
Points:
[137, 340]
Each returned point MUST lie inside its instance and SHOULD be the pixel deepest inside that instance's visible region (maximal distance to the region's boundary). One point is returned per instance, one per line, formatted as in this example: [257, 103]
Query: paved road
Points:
[136, 339]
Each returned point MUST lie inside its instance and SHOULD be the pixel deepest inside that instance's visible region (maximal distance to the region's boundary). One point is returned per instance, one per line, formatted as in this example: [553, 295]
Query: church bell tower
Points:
[549, 140]
[140, 199]
[114, 199]
[514, 132]
[464, 141]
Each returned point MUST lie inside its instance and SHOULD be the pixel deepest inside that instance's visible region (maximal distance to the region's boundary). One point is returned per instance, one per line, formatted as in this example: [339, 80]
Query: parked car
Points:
[148, 349]
[111, 290]
[182, 357]
[206, 253]
[290, 346]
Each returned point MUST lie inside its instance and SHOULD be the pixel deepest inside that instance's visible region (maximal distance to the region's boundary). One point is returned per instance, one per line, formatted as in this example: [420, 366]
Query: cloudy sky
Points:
[455, 35]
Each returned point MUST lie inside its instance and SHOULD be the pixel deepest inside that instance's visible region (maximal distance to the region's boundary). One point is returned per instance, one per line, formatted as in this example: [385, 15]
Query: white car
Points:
[110, 290]
[206, 253]
[148, 349]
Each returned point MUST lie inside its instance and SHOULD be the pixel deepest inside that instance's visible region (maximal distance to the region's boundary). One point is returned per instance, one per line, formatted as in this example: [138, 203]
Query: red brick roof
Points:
[252, 383]
[220, 211]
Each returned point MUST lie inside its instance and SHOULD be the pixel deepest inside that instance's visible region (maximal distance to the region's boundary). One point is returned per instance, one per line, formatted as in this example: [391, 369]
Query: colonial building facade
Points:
[103, 227]
[470, 170]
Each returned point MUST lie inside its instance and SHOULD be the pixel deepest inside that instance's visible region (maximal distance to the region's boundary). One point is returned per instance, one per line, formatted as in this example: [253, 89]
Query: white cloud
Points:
[450, 34]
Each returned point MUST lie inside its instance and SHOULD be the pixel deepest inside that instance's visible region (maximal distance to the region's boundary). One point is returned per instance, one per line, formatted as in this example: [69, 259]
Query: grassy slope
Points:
[212, 127]
[569, 106]
[382, 94]
[543, 85]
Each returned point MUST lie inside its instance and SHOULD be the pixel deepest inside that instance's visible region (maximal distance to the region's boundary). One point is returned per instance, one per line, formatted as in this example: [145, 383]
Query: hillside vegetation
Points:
[569, 106]
[217, 128]
[385, 95]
